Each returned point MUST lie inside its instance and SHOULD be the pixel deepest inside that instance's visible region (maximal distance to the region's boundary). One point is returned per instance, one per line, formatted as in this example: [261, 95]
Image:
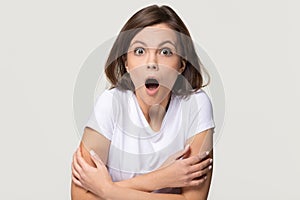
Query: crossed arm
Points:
[177, 173]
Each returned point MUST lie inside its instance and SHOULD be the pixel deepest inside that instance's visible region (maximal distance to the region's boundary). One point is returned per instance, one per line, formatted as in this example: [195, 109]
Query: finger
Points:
[183, 152]
[201, 165]
[200, 173]
[198, 182]
[77, 182]
[193, 160]
[197, 158]
[77, 154]
[76, 164]
[75, 173]
[97, 160]
[81, 161]
[203, 155]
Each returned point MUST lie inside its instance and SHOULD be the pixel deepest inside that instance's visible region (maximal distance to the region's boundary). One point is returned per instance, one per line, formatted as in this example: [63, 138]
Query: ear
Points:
[126, 66]
[124, 58]
[182, 67]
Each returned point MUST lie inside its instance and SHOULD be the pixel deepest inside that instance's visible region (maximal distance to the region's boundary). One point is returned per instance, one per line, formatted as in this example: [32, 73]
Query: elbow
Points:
[78, 193]
[74, 192]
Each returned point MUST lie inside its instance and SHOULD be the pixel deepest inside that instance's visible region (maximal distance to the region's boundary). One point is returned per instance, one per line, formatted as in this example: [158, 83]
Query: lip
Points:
[152, 92]
[153, 77]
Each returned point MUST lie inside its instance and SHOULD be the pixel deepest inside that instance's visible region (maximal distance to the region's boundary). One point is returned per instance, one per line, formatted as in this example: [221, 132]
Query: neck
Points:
[154, 114]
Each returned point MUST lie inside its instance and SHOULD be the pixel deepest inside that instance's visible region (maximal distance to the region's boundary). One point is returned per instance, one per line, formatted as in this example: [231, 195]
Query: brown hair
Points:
[191, 78]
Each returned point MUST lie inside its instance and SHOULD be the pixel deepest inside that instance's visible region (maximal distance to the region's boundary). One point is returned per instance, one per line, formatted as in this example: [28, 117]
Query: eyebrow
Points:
[161, 44]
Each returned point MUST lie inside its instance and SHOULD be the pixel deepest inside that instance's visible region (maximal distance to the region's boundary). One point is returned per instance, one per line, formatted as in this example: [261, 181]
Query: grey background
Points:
[252, 43]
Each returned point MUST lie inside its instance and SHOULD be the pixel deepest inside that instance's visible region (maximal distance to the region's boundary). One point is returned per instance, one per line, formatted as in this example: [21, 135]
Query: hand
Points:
[93, 179]
[178, 155]
[179, 171]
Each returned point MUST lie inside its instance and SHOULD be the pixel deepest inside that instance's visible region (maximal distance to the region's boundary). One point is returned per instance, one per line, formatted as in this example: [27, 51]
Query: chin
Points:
[158, 98]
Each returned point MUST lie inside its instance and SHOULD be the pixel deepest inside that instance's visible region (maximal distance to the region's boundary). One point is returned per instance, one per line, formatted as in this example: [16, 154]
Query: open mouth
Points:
[151, 83]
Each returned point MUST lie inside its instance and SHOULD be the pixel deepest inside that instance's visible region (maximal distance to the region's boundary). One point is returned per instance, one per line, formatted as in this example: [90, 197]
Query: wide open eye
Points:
[166, 52]
[139, 51]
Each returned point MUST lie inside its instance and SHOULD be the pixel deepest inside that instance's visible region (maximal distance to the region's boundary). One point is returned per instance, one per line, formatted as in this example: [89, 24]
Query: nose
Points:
[152, 61]
[152, 66]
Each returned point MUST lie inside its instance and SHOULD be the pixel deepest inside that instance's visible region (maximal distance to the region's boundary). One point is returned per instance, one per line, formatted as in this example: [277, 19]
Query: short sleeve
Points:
[201, 114]
[101, 118]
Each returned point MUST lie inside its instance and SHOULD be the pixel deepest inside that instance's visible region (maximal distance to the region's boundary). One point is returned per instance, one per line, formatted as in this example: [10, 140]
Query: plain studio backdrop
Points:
[254, 45]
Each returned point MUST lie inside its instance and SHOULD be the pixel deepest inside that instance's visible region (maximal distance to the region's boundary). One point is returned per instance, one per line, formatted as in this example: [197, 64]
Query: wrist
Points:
[110, 191]
[160, 179]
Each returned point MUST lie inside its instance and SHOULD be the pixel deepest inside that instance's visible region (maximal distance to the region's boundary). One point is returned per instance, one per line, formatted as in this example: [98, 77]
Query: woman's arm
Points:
[77, 192]
[109, 190]
[175, 172]
[89, 139]
[200, 143]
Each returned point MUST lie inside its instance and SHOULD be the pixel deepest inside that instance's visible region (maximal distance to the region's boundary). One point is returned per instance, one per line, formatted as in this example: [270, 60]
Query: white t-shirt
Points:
[137, 149]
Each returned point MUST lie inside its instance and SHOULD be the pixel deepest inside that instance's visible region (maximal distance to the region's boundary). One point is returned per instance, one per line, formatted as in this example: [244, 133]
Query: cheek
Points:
[137, 75]
[173, 63]
[133, 62]
[169, 76]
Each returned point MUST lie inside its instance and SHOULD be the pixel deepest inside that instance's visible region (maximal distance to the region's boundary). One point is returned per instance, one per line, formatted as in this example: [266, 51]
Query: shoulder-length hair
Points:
[190, 80]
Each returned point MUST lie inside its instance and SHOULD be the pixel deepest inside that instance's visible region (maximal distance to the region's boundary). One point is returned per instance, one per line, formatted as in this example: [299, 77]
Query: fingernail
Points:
[205, 177]
[92, 152]
[210, 160]
[209, 167]
[207, 152]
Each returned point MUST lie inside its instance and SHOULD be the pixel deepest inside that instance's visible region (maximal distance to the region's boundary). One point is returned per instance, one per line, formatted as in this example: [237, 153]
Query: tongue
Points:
[152, 89]
[152, 86]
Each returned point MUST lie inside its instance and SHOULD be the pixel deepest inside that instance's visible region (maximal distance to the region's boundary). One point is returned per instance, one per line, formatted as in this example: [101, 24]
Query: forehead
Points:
[155, 35]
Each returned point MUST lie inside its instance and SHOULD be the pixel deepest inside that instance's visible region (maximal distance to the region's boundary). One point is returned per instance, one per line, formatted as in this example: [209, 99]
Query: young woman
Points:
[150, 135]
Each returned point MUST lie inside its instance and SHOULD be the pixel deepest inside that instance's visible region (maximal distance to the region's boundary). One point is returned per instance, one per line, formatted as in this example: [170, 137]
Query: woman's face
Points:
[153, 63]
